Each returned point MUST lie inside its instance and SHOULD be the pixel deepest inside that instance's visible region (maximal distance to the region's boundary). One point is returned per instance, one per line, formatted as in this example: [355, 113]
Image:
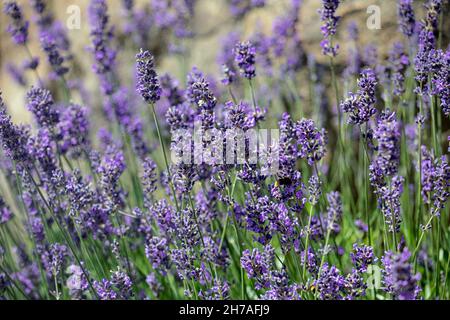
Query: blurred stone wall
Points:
[212, 21]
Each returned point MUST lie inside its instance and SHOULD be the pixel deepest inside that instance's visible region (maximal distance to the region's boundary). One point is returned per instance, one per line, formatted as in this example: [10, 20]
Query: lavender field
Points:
[282, 171]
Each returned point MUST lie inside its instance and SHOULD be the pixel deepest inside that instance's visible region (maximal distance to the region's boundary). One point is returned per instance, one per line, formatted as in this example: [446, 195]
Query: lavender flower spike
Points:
[244, 55]
[148, 85]
[19, 27]
[328, 29]
[407, 20]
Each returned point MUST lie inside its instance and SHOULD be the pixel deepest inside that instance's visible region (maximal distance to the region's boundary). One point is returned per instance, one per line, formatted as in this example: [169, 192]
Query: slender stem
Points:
[161, 142]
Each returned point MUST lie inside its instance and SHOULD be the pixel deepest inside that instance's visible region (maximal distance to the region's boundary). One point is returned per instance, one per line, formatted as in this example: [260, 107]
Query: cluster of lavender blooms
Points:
[92, 212]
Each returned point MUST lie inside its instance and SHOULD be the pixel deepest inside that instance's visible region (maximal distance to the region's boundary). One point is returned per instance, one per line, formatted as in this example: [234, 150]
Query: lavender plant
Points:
[143, 183]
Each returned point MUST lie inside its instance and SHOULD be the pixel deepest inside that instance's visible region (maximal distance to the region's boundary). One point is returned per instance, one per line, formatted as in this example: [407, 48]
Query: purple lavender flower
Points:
[362, 256]
[311, 141]
[360, 106]
[74, 130]
[42, 147]
[258, 265]
[104, 290]
[334, 211]
[244, 56]
[14, 138]
[53, 258]
[330, 284]
[281, 288]
[387, 136]
[399, 279]
[328, 29]
[225, 57]
[171, 90]
[148, 85]
[110, 170]
[389, 201]
[41, 104]
[407, 20]
[155, 251]
[54, 56]
[18, 27]
[399, 63]
[101, 35]
[123, 284]
[219, 291]
[240, 115]
[198, 91]
[422, 65]
[435, 181]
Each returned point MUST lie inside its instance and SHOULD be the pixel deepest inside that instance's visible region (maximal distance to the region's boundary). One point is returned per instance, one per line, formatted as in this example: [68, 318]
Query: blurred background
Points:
[211, 21]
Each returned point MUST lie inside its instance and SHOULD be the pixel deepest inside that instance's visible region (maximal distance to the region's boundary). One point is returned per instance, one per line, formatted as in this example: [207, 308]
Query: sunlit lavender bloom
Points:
[312, 263]
[281, 288]
[360, 106]
[148, 85]
[111, 168]
[258, 216]
[41, 104]
[56, 60]
[42, 147]
[219, 291]
[311, 141]
[155, 251]
[422, 66]
[80, 195]
[330, 284]
[435, 180]
[399, 279]
[18, 28]
[355, 284]
[37, 229]
[101, 35]
[198, 90]
[354, 58]
[122, 283]
[441, 79]
[328, 29]
[315, 189]
[387, 135]
[225, 58]
[407, 20]
[244, 56]
[53, 258]
[171, 90]
[149, 178]
[362, 256]
[389, 202]
[434, 8]
[258, 265]
[399, 62]
[14, 138]
[183, 260]
[334, 211]
[240, 115]
[74, 130]
[104, 289]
